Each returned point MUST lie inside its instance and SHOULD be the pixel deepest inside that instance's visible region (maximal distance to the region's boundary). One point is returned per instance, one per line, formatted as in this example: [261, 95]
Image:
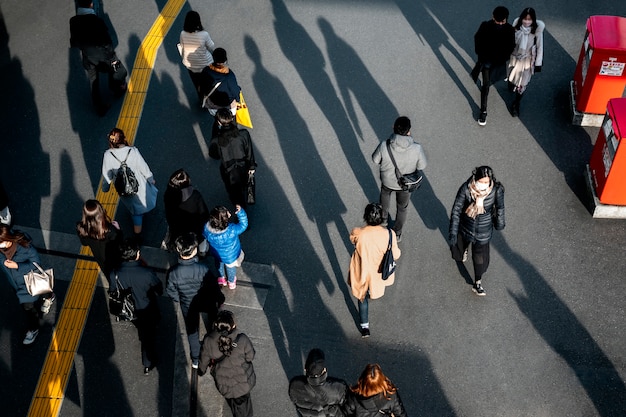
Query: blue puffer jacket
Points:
[224, 244]
[24, 257]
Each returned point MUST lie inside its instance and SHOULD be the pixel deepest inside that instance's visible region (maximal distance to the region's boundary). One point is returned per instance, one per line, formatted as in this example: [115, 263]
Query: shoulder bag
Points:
[122, 303]
[39, 281]
[408, 182]
[388, 264]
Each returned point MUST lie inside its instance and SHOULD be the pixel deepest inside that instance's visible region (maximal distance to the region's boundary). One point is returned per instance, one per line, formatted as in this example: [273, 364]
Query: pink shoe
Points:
[232, 285]
[221, 281]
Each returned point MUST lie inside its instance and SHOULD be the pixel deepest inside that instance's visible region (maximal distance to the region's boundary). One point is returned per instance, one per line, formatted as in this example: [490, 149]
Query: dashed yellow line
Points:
[55, 373]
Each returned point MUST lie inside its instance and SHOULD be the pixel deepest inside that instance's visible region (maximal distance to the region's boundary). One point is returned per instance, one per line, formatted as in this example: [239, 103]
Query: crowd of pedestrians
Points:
[505, 52]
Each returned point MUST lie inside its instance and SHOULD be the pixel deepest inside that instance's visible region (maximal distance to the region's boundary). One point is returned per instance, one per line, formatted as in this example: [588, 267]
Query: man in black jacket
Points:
[145, 286]
[89, 33]
[493, 43]
[316, 394]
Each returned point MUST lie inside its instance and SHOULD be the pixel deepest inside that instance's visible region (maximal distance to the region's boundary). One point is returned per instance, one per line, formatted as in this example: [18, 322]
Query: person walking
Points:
[17, 255]
[477, 209]
[233, 148]
[194, 288]
[409, 157]
[185, 209]
[527, 57]
[144, 200]
[224, 244]
[196, 52]
[230, 353]
[493, 43]
[227, 89]
[375, 395]
[145, 286]
[364, 277]
[90, 33]
[315, 394]
[102, 235]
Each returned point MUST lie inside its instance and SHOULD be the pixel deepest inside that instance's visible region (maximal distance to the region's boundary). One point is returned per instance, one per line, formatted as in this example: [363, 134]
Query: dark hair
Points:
[117, 138]
[485, 171]
[179, 179]
[219, 56]
[529, 11]
[85, 3]
[500, 13]
[186, 244]
[192, 22]
[95, 222]
[9, 235]
[372, 381]
[373, 214]
[224, 324]
[228, 129]
[129, 250]
[218, 218]
[402, 126]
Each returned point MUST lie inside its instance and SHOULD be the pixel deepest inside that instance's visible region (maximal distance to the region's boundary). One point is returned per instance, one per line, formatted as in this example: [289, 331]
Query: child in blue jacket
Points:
[224, 244]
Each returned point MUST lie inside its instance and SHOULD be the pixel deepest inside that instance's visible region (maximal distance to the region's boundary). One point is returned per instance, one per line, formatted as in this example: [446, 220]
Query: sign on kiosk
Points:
[608, 158]
[600, 73]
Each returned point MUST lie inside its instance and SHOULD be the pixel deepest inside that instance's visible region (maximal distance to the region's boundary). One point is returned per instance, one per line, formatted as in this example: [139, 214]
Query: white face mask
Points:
[4, 245]
[481, 186]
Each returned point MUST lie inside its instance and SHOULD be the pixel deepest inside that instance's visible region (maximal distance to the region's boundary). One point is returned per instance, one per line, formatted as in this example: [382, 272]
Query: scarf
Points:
[523, 41]
[477, 206]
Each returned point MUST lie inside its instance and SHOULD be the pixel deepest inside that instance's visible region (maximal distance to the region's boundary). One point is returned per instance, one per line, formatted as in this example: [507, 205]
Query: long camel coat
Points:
[370, 245]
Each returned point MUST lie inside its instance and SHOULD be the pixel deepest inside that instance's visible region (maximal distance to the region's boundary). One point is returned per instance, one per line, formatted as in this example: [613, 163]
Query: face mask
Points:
[481, 186]
[4, 245]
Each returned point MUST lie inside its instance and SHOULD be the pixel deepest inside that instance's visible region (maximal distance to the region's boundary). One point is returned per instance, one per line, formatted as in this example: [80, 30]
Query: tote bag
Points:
[39, 281]
[243, 114]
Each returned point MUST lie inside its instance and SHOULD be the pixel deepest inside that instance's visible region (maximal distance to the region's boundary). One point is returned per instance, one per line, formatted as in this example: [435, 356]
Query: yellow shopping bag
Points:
[243, 114]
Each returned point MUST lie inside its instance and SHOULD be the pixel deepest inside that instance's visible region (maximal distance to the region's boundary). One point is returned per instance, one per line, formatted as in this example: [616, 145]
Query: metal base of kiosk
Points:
[579, 118]
[599, 210]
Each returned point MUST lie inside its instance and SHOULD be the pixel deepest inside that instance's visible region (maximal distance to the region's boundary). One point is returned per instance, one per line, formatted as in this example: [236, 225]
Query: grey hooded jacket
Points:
[409, 156]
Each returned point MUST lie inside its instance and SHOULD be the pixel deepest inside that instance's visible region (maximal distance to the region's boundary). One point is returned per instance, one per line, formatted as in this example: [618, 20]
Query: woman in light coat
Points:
[145, 199]
[196, 48]
[527, 57]
[370, 244]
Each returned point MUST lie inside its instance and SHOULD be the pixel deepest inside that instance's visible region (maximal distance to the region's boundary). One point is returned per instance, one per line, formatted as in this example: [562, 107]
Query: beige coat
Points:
[370, 245]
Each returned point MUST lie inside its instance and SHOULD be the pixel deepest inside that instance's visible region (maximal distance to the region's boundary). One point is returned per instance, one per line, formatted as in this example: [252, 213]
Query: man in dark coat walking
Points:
[89, 33]
[316, 394]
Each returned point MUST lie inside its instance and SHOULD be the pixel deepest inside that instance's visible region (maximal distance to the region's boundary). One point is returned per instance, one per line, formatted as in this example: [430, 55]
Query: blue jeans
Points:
[230, 272]
[364, 311]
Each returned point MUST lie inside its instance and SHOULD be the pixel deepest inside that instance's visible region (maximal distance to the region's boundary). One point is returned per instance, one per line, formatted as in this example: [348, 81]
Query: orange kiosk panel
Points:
[601, 70]
[608, 158]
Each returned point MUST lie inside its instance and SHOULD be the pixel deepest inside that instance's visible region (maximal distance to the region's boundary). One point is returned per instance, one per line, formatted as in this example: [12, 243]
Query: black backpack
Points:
[125, 182]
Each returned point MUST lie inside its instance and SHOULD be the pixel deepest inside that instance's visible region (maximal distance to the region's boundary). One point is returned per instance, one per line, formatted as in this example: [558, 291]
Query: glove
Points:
[537, 68]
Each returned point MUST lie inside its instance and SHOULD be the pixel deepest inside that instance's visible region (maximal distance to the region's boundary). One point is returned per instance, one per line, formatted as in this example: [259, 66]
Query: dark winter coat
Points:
[234, 375]
[375, 406]
[494, 43]
[237, 156]
[143, 281]
[479, 229]
[24, 257]
[185, 280]
[318, 397]
[185, 211]
[107, 250]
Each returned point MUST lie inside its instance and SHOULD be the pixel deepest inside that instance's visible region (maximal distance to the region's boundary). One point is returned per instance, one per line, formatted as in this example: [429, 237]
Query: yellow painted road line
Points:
[50, 391]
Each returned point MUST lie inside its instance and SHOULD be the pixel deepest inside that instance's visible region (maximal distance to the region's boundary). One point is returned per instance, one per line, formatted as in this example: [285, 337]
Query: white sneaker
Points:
[47, 303]
[30, 337]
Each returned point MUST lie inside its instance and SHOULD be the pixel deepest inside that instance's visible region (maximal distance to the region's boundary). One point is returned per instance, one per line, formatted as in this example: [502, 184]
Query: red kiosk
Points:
[601, 70]
[608, 158]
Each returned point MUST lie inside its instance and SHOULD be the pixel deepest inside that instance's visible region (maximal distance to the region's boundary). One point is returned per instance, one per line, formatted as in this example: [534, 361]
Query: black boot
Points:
[515, 105]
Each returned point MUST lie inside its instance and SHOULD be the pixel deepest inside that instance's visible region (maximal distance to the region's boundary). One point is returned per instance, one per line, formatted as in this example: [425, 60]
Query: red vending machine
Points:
[608, 158]
[600, 73]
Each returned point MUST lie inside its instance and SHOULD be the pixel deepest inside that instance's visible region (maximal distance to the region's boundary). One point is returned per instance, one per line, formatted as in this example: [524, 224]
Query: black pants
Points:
[31, 315]
[147, 324]
[241, 406]
[490, 74]
[480, 255]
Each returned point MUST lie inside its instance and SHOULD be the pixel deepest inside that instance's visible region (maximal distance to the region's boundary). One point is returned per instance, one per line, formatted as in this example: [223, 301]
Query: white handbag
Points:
[39, 281]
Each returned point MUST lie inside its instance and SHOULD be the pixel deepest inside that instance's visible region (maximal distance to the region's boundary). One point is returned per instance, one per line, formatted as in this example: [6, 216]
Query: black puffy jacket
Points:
[318, 397]
[375, 406]
[477, 229]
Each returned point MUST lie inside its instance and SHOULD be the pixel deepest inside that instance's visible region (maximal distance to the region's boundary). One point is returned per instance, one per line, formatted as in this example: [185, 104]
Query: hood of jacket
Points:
[400, 143]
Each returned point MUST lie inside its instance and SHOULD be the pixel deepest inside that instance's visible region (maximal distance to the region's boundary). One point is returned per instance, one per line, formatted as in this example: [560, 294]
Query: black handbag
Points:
[408, 182]
[388, 264]
[122, 303]
[251, 189]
